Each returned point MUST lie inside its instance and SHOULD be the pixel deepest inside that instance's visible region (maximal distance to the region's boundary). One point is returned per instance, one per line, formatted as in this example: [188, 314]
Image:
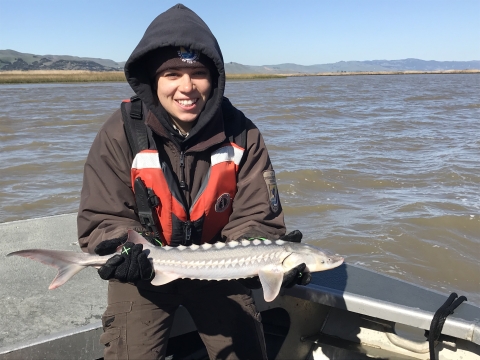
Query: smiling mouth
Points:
[188, 102]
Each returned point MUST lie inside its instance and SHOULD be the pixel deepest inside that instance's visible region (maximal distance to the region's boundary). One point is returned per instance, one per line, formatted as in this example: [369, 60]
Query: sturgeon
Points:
[269, 259]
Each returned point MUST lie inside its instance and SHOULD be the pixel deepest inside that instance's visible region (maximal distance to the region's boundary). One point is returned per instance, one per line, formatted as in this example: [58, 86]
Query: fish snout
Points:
[335, 260]
[330, 261]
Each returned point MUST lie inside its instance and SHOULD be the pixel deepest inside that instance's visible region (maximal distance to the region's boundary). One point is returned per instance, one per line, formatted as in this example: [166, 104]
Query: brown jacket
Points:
[107, 204]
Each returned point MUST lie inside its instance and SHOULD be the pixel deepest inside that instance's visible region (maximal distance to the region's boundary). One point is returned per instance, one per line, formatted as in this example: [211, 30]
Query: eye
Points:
[201, 74]
[170, 74]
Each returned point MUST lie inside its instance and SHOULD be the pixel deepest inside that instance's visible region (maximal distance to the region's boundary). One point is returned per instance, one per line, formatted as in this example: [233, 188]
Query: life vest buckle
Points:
[153, 200]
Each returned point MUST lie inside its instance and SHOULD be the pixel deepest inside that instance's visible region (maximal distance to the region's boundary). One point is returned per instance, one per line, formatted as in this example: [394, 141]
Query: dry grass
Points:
[254, 76]
[59, 76]
[70, 76]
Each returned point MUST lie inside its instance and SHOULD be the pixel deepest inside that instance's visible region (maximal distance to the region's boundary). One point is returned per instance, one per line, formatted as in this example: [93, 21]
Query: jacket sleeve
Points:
[107, 201]
[253, 214]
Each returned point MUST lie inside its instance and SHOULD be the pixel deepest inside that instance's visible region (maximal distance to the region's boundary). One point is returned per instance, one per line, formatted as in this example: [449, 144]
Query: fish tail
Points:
[68, 263]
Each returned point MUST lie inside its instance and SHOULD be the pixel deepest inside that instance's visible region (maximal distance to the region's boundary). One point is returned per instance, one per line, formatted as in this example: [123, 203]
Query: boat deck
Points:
[30, 310]
[36, 320]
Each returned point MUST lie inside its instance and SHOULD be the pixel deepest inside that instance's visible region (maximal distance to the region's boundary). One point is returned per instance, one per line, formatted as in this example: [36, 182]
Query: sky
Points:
[254, 32]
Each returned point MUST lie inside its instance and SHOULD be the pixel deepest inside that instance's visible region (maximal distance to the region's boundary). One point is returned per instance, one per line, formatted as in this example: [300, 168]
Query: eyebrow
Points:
[186, 67]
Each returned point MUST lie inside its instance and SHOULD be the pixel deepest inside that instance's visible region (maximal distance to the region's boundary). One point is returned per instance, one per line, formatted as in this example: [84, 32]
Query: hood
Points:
[178, 26]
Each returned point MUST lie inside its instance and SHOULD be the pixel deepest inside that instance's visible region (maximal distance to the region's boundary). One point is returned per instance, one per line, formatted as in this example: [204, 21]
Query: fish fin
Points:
[271, 278]
[64, 274]
[68, 263]
[162, 278]
[136, 238]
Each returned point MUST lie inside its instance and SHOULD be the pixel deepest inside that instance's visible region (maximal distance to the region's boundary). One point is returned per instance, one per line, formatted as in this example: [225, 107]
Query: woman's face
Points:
[183, 92]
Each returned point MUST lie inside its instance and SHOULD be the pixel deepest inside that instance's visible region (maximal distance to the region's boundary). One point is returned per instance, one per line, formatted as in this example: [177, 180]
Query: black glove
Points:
[293, 236]
[297, 275]
[130, 266]
[108, 247]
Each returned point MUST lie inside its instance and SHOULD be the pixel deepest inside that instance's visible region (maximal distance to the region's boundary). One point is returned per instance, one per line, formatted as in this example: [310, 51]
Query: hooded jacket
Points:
[107, 204]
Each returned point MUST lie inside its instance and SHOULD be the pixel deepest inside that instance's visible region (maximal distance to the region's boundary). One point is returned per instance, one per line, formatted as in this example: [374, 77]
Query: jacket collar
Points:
[213, 133]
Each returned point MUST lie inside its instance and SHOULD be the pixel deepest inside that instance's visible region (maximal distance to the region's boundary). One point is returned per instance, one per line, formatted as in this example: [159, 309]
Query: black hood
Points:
[178, 26]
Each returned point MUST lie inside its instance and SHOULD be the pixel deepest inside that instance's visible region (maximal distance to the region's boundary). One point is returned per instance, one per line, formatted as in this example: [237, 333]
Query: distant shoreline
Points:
[396, 72]
[79, 76]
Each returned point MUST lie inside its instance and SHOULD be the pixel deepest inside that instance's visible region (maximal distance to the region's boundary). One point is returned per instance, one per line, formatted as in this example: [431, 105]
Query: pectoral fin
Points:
[271, 278]
[162, 278]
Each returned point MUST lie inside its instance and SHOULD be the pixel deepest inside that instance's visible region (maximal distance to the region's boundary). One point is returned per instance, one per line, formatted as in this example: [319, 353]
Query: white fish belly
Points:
[222, 264]
[211, 273]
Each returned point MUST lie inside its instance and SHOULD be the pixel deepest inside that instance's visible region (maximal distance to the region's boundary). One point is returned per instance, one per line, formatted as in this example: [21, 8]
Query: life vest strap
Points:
[147, 201]
[135, 129]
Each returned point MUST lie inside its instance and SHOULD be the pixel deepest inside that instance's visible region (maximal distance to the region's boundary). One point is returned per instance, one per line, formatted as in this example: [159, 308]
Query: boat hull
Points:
[345, 313]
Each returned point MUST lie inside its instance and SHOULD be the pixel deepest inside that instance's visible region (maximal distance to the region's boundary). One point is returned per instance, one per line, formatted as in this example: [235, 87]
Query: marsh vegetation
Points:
[71, 76]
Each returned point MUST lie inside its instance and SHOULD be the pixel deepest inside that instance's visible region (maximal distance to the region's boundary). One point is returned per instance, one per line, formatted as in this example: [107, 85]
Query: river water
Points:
[381, 169]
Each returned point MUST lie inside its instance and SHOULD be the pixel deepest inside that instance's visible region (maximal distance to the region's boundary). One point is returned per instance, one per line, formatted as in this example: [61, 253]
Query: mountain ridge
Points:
[14, 60]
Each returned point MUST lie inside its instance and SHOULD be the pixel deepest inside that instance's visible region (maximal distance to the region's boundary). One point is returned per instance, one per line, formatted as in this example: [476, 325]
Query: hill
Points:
[354, 66]
[14, 60]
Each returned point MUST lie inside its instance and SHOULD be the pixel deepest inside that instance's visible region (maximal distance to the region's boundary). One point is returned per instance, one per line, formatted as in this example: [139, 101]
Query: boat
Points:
[346, 313]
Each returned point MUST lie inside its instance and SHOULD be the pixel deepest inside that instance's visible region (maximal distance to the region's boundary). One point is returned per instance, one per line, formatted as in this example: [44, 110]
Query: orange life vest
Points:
[160, 204]
[211, 208]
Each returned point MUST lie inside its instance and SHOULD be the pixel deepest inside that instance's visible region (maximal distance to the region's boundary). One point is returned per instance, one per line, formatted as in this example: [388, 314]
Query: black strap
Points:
[135, 128]
[146, 202]
[136, 114]
[138, 135]
[439, 318]
[136, 110]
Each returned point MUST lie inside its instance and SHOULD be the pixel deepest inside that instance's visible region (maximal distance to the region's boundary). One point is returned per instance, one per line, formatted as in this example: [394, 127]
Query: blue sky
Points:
[254, 32]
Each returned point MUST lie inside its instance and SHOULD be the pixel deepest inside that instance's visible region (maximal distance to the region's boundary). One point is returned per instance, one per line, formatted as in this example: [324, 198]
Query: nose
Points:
[186, 84]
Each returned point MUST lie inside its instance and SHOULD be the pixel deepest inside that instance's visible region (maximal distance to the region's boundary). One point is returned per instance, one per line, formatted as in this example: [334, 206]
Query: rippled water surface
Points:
[382, 169]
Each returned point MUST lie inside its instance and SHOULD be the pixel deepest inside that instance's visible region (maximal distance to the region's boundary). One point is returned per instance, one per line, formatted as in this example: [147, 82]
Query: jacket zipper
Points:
[183, 185]
[187, 226]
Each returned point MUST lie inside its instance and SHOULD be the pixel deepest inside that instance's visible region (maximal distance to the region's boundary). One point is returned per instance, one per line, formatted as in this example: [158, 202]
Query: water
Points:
[381, 169]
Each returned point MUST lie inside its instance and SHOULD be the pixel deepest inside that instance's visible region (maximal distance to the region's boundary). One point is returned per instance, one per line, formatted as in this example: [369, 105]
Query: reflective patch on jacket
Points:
[271, 182]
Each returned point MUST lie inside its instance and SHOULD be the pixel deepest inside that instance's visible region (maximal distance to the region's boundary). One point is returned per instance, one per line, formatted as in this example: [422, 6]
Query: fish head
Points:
[327, 261]
[315, 258]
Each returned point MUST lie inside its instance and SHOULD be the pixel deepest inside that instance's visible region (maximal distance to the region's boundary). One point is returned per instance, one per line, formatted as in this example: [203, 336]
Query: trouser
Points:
[138, 320]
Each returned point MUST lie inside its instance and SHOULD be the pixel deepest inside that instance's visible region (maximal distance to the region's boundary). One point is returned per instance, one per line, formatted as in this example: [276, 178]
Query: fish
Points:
[267, 259]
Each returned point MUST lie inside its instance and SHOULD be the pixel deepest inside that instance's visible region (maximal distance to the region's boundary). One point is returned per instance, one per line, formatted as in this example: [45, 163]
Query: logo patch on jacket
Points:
[271, 182]
[222, 202]
[187, 55]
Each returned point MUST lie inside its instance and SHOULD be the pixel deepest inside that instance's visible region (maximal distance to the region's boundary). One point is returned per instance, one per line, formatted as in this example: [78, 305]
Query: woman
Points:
[213, 182]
